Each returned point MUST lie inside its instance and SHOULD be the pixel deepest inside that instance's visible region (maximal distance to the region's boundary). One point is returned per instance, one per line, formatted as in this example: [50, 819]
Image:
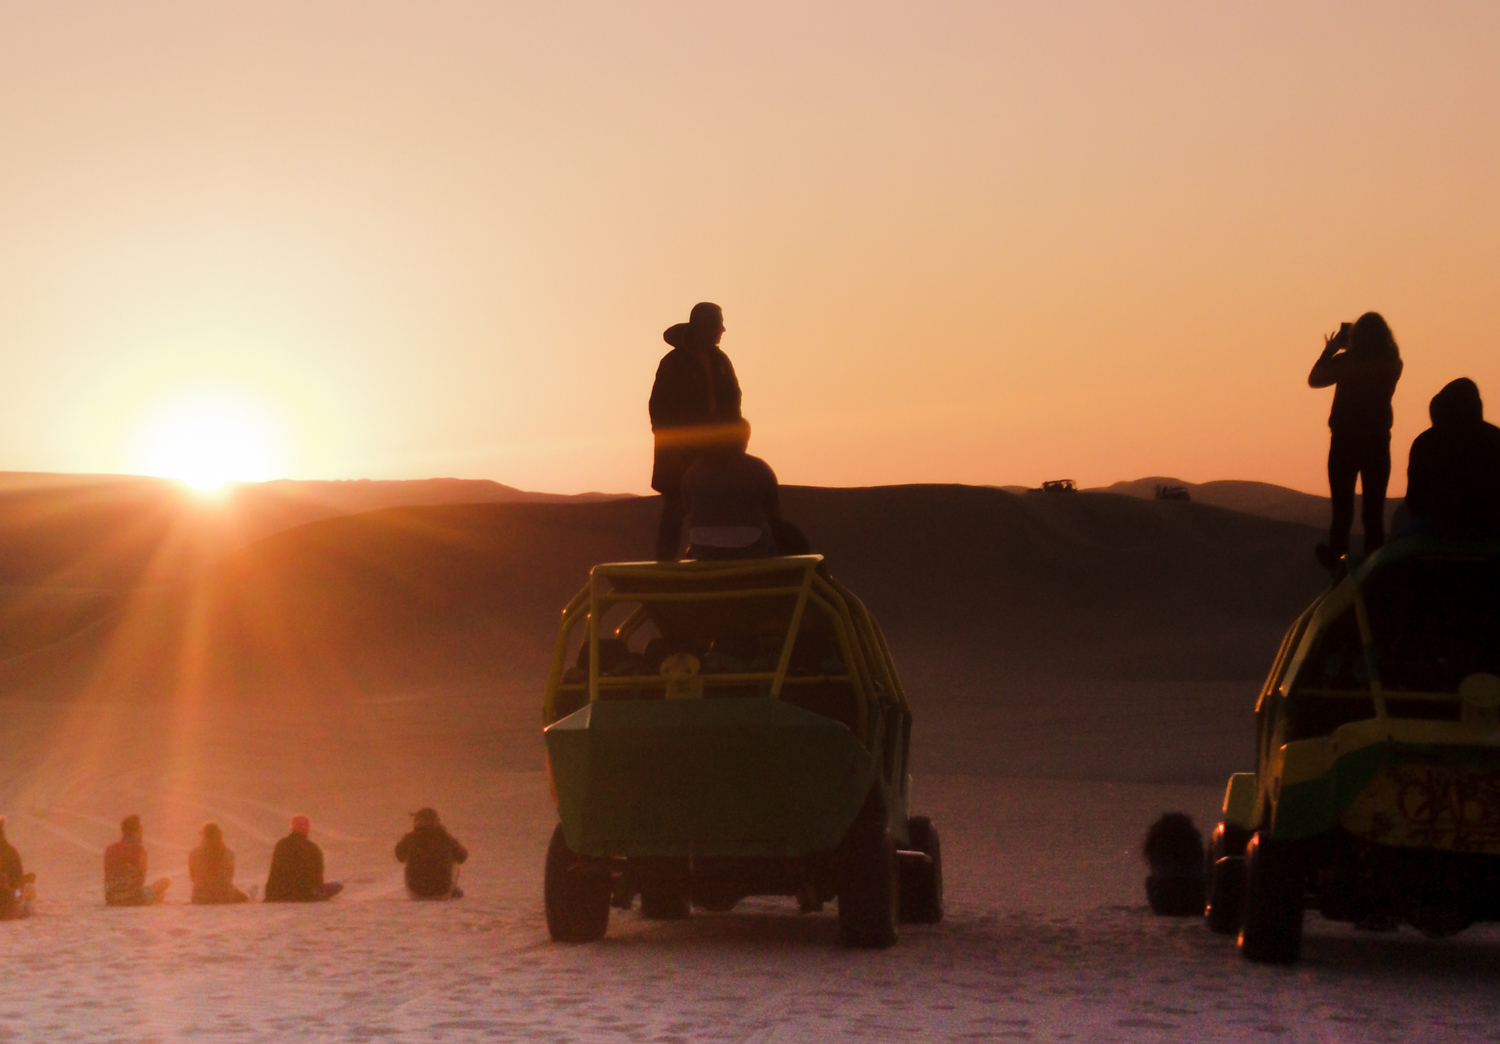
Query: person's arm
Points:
[770, 499]
[403, 848]
[317, 865]
[1418, 484]
[734, 397]
[460, 853]
[1329, 369]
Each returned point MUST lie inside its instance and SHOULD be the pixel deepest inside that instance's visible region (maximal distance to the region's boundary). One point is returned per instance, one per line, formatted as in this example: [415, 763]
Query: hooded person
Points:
[432, 856]
[1363, 364]
[297, 868]
[1453, 472]
[695, 391]
[125, 870]
[211, 866]
[732, 500]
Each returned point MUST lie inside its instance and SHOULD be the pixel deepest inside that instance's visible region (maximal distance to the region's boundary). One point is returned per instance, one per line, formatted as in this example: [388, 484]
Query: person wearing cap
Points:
[695, 391]
[125, 870]
[297, 868]
[211, 866]
[431, 855]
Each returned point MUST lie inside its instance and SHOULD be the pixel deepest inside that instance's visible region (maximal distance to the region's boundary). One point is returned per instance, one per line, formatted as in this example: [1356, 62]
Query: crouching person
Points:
[1178, 885]
[297, 868]
[432, 856]
[125, 870]
[211, 866]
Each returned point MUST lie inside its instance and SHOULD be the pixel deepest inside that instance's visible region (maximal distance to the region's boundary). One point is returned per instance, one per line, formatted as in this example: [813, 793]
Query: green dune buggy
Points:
[730, 729]
[1376, 793]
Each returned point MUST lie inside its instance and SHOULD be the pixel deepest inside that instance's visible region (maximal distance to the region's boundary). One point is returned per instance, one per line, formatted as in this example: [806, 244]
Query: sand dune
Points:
[1075, 664]
[1253, 498]
[123, 531]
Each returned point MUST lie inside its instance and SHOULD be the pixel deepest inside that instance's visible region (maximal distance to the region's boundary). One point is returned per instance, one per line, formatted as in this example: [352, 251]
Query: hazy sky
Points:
[982, 242]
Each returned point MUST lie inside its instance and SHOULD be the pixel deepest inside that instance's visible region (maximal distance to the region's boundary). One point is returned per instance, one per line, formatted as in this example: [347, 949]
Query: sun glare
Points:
[207, 439]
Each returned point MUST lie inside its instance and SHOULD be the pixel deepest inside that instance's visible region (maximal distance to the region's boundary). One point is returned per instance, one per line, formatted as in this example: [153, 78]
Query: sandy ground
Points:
[1047, 935]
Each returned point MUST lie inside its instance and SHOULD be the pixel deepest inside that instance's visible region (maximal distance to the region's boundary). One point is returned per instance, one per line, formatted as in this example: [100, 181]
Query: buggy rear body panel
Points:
[705, 778]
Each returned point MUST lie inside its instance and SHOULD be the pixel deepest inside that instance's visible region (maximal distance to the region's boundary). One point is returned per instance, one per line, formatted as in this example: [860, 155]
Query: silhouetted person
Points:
[1178, 885]
[431, 855]
[125, 870]
[1363, 364]
[695, 390]
[12, 877]
[732, 499]
[211, 866]
[297, 868]
[1453, 474]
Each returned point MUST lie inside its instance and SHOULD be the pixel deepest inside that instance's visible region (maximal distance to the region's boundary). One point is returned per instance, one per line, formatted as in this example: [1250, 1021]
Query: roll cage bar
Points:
[870, 671]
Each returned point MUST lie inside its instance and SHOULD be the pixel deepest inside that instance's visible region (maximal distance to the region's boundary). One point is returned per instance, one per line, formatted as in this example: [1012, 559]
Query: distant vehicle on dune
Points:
[1172, 493]
[1376, 793]
[737, 728]
[1057, 486]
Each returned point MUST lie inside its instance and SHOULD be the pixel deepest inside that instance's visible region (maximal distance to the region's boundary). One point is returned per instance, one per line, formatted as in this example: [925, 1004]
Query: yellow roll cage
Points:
[873, 676]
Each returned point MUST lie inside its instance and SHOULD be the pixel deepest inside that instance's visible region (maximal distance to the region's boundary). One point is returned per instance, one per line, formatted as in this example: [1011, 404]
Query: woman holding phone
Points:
[1363, 364]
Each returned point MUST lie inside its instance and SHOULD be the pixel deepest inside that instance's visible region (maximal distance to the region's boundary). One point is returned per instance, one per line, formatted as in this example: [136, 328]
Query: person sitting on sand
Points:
[211, 866]
[125, 870]
[1453, 474]
[1363, 364]
[297, 868]
[431, 855]
[695, 392]
[732, 499]
[13, 879]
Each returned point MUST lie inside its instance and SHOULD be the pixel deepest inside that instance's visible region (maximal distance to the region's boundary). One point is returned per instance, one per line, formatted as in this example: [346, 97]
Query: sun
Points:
[208, 438]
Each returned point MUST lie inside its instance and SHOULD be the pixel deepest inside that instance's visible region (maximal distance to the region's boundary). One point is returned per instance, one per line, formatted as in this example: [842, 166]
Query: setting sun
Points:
[209, 438]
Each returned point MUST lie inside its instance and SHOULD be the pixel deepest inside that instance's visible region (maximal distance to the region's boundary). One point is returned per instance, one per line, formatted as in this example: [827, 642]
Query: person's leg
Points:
[1343, 468]
[330, 889]
[669, 533]
[1374, 477]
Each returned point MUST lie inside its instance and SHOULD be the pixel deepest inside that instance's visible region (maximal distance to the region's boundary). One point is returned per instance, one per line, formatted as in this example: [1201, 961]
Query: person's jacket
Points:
[1453, 473]
[296, 871]
[124, 870]
[1364, 385]
[692, 388]
[212, 871]
[429, 853]
[731, 490]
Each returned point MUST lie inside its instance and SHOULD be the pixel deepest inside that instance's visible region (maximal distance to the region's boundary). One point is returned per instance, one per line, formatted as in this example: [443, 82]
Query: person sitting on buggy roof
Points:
[1453, 474]
[695, 390]
[732, 499]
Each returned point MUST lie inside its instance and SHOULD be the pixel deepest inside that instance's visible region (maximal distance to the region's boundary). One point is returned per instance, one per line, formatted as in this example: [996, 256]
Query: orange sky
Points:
[977, 242]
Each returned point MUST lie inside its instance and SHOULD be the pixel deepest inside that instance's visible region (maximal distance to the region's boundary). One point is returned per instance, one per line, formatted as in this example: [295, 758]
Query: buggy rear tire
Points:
[576, 892]
[1271, 920]
[921, 874]
[1226, 895]
[869, 891]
